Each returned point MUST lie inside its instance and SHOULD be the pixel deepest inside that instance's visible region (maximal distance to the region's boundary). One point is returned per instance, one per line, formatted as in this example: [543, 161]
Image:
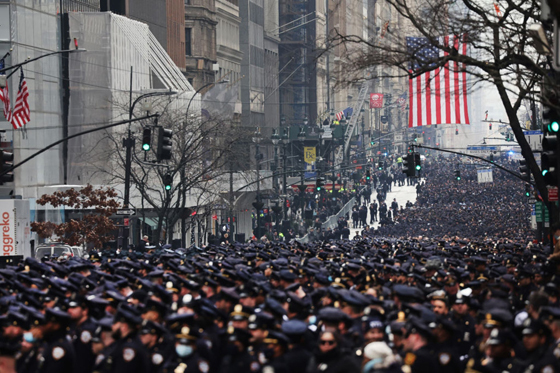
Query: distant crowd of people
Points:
[446, 206]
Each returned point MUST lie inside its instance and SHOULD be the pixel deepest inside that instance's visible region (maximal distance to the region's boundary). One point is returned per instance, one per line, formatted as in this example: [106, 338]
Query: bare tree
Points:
[500, 52]
[202, 151]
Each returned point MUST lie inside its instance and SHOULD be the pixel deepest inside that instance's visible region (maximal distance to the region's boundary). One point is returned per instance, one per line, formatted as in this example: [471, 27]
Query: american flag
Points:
[5, 96]
[21, 113]
[344, 113]
[438, 96]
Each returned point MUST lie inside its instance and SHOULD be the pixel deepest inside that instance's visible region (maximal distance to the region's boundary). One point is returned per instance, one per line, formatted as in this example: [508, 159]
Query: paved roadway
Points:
[402, 194]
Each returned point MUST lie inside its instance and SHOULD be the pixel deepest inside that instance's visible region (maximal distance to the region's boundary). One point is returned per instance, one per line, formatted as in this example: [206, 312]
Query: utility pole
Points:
[327, 56]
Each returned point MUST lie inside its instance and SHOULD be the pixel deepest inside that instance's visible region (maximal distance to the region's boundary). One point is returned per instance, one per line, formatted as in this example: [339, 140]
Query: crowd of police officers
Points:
[368, 305]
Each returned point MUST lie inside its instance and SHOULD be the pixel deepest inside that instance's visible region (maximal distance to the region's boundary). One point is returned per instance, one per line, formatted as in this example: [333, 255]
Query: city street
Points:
[402, 194]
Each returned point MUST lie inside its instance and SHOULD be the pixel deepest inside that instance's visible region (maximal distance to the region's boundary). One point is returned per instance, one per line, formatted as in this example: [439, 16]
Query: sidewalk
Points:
[402, 194]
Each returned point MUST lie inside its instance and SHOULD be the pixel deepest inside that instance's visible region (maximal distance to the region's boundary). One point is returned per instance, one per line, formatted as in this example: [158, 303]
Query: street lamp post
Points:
[184, 196]
[275, 140]
[285, 141]
[258, 206]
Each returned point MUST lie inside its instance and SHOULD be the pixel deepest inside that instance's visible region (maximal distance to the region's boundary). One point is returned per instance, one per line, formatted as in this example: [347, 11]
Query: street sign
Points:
[485, 176]
[534, 138]
[538, 212]
[553, 194]
[532, 200]
[126, 212]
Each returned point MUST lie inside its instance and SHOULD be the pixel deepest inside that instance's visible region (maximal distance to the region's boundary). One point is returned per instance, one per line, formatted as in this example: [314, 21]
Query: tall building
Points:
[298, 73]
[164, 17]
[200, 42]
[32, 30]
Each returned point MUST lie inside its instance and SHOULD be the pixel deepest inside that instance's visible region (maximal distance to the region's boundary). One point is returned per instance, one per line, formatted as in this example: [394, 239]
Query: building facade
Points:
[200, 42]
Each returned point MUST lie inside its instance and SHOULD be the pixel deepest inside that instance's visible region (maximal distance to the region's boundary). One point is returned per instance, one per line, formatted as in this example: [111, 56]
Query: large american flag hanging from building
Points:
[21, 113]
[438, 96]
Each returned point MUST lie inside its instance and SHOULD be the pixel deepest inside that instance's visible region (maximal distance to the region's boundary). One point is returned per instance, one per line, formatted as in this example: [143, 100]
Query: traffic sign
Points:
[538, 212]
[553, 194]
[534, 138]
[126, 212]
[532, 200]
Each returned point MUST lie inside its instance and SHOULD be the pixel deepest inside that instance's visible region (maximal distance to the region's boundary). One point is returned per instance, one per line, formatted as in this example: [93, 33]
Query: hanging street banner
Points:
[485, 176]
[309, 154]
[375, 100]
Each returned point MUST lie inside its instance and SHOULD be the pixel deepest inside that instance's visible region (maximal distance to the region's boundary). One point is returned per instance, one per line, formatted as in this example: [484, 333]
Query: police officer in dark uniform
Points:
[464, 322]
[129, 354]
[500, 357]
[297, 357]
[81, 330]
[186, 358]
[277, 344]
[551, 318]
[418, 357]
[238, 359]
[28, 361]
[57, 355]
[445, 346]
[150, 335]
[539, 359]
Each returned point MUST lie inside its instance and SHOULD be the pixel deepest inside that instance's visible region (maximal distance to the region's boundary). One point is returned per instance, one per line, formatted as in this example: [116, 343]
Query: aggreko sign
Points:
[7, 222]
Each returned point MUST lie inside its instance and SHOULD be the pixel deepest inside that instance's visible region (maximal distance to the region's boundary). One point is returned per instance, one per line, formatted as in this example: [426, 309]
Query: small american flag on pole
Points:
[21, 113]
[438, 96]
[344, 113]
[5, 96]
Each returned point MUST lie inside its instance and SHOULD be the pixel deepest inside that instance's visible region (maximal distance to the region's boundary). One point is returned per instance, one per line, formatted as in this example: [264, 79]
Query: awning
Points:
[152, 222]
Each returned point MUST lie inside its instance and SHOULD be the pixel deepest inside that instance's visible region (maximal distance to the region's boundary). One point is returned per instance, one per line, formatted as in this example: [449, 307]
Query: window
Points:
[188, 41]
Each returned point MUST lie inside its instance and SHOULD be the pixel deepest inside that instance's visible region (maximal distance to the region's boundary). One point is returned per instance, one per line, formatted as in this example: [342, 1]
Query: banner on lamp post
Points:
[310, 154]
[375, 100]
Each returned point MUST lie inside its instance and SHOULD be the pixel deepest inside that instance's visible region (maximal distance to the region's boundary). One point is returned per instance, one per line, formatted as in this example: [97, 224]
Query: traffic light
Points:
[7, 159]
[258, 205]
[417, 162]
[408, 165]
[524, 170]
[457, 175]
[164, 144]
[549, 160]
[167, 181]
[380, 166]
[372, 143]
[415, 138]
[368, 175]
[456, 132]
[527, 190]
[146, 139]
[319, 184]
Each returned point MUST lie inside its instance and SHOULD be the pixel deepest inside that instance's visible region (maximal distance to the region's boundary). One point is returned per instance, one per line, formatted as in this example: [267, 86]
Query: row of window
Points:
[81, 5]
